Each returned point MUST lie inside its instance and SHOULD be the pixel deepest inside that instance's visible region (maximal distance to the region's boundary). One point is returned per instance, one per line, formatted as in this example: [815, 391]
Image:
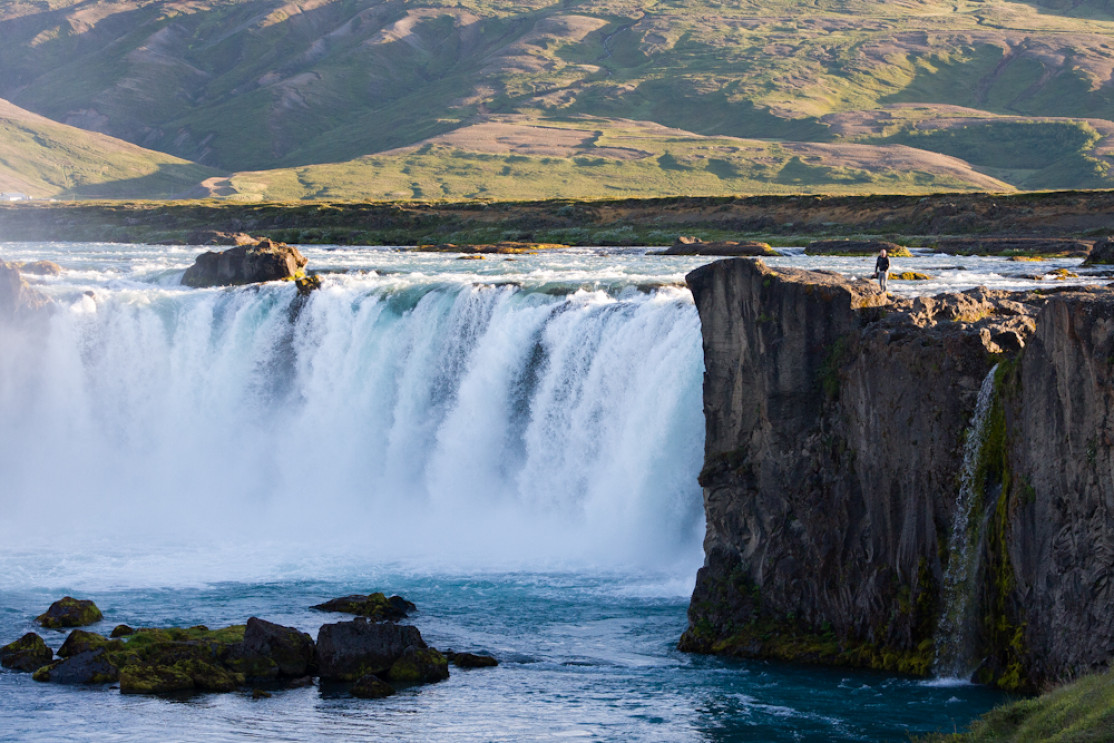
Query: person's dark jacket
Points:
[882, 264]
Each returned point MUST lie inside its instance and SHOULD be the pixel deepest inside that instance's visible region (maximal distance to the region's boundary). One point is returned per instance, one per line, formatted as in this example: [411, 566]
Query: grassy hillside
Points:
[332, 93]
[1080, 712]
[44, 159]
[514, 158]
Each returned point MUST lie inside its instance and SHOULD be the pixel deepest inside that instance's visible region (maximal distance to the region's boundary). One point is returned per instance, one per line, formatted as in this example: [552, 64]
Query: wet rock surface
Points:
[177, 660]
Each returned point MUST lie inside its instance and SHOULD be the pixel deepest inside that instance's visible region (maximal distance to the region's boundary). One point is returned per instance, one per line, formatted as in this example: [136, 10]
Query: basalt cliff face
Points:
[836, 420]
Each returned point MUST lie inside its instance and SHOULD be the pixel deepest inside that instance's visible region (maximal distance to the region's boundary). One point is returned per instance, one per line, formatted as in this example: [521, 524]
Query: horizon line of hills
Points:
[349, 100]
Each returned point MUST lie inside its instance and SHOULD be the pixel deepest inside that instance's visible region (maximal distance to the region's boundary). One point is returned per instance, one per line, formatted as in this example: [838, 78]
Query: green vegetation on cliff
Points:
[1079, 712]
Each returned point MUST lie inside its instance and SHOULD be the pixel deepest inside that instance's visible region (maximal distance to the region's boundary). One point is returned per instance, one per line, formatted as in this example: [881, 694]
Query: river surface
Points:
[511, 444]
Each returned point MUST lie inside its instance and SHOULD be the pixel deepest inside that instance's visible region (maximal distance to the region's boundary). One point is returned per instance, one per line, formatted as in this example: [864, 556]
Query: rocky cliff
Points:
[836, 420]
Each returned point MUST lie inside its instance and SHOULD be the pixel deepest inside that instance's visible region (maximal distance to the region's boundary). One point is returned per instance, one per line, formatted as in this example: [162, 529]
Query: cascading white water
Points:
[442, 421]
[955, 632]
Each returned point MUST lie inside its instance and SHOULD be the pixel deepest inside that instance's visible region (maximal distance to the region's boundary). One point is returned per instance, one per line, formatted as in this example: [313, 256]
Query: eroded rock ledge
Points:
[835, 423]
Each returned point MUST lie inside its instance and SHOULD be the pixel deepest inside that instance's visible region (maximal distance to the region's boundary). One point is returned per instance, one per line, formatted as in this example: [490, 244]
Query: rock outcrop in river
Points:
[835, 423]
[264, 260]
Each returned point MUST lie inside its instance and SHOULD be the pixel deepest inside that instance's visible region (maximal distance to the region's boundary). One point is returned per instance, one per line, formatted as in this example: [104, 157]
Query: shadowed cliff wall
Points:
[835, 426]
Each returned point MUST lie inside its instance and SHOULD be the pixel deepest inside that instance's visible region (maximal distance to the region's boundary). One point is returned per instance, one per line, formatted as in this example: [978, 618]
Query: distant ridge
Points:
[361, 99]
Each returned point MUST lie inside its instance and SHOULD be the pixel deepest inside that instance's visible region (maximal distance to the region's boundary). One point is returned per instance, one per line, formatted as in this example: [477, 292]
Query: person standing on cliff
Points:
[882, 269]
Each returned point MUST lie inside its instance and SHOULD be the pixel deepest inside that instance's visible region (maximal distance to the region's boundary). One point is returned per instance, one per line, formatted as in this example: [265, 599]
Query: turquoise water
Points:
[511, 444]
[584, 656]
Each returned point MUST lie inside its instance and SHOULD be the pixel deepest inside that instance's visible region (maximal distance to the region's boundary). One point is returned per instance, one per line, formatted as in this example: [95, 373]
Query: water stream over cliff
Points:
[956, 656]
[484, 421]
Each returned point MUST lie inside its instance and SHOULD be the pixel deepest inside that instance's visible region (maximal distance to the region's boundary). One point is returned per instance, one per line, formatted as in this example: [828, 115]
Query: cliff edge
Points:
[836, 421]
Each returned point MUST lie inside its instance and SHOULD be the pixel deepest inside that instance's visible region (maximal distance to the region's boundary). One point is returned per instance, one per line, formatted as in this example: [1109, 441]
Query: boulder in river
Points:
[70, 612]
[347, 651]
[81, 641]
[373, 606]
[28, 653]
[471, 660]
[265, 260]
[1102, 253]
[290, 651]
[89, 667]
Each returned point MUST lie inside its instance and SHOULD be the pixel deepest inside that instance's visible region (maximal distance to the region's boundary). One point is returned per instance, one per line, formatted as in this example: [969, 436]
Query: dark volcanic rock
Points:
[373, 606]
[122, 630]
[471, 660]
[89, 667]
[263, 261]
[28, 653]
[724, 248]
[835, 430]
[70, 612]
[291, 651]
[347, 651]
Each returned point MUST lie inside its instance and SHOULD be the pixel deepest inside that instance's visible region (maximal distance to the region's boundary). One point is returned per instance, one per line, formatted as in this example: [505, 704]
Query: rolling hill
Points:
[347, 99]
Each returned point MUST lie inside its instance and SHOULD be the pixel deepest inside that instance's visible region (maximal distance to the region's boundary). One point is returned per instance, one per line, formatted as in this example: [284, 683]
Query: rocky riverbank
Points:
[835, 422]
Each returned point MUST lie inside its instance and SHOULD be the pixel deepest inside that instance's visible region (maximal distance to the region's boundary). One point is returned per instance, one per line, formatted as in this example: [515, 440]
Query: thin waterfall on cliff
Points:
[955, 633]
[441, 420]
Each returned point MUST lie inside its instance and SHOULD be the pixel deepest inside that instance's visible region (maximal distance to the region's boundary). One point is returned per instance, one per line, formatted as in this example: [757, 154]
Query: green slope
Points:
[42, 158]
[1079, 712]
[252, 85]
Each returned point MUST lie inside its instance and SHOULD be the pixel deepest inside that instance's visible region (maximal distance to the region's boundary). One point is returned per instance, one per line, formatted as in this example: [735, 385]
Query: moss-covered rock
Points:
[373, 606]
[146, 679]
[910, 276]
[28, 653]
[70, 612]
[81, 641]
[290, 652]
[419, 666]
[90, 667]
[122, 630]
[348, 650]
[307, 284]
[372, 687]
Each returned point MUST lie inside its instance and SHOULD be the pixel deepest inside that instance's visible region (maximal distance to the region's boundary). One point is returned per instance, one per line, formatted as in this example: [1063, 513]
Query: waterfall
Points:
[955, 634]
[450, 421]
